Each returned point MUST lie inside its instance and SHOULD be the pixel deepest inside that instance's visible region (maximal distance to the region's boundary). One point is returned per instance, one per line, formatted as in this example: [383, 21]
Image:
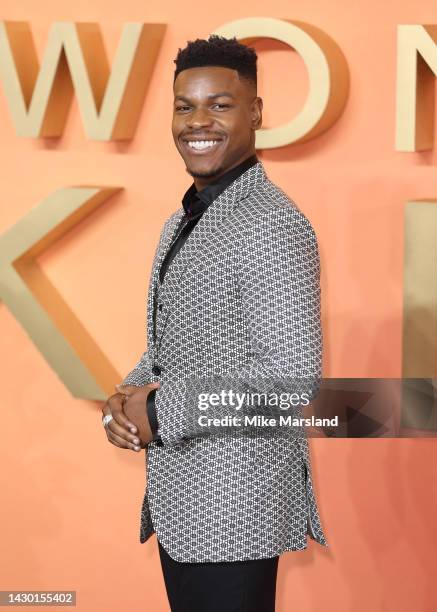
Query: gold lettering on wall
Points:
[327, 71]
[37, 305]
[416, 69]
[109, 100]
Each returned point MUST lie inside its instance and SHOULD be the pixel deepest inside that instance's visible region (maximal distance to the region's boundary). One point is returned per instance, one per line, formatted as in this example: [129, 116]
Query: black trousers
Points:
[229, 586]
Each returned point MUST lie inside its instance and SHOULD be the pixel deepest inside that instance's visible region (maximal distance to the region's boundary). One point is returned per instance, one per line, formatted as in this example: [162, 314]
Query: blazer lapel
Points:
[217, 212]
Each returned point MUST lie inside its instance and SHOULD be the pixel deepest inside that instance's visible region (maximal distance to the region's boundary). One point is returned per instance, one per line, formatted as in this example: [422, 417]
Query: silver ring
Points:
[106, 419]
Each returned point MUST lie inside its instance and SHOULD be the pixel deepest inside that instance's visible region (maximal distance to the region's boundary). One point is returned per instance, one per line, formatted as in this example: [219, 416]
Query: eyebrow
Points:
[210, 96]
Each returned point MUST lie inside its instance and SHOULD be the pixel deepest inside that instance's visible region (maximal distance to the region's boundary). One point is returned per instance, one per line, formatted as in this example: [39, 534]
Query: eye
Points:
[187, 108]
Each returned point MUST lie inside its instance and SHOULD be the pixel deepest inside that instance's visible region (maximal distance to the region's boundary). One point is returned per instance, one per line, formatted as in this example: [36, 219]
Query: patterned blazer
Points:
[240, 300]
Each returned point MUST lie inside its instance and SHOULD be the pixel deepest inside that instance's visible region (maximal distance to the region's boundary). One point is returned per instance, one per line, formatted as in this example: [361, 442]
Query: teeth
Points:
[201, 144]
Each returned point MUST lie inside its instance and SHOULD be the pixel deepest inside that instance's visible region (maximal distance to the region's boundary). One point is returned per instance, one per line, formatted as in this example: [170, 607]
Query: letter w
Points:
[75, 61]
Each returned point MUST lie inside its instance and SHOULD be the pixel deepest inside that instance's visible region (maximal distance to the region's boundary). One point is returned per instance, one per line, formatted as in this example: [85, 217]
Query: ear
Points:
[257, 108]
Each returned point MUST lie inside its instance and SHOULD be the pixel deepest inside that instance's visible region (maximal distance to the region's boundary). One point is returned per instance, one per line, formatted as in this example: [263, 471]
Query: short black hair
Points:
[218, 51]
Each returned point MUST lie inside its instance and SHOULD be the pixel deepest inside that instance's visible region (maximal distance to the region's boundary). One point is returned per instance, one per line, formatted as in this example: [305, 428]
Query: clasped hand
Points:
[120, 430]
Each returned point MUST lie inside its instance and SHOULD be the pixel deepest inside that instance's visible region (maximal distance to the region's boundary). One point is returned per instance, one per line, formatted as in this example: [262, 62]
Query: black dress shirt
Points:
[194, 203]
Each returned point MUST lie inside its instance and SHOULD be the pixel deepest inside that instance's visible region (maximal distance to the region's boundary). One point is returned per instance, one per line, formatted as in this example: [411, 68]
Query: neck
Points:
[200, 181]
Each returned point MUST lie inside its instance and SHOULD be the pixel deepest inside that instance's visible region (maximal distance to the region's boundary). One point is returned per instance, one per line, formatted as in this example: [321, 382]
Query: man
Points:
[233, 302]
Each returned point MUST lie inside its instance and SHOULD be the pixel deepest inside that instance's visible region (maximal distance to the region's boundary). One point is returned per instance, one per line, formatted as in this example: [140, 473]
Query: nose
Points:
[198, 118]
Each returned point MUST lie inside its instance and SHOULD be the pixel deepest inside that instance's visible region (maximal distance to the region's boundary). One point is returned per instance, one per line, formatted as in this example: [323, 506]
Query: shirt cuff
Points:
[152, 416]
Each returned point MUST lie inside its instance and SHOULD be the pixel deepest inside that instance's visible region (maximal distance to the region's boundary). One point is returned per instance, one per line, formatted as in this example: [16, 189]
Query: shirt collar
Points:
[196, 202]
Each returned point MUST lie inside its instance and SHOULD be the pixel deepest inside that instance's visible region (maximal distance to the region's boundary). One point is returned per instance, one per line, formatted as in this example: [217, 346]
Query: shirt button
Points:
[156, 370]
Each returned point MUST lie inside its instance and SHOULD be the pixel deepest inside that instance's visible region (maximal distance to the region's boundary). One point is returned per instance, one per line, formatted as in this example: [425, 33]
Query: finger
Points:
[121, 419]
[116, 409]
[120, 442]
[123, 433]
[155, 385]
[106, 407]
[126, 389]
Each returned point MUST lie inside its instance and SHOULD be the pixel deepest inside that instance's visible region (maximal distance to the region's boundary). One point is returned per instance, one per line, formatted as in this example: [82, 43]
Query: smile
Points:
[201, 146]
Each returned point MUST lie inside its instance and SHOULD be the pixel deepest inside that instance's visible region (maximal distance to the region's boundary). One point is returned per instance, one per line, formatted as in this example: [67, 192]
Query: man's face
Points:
[213, 104]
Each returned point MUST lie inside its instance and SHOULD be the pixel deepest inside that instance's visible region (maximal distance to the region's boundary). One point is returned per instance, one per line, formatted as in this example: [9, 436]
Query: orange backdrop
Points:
[70, 501]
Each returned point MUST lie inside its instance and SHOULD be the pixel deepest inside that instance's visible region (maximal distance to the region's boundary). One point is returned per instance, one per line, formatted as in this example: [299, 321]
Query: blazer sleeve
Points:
[278, 276]
[141, 374]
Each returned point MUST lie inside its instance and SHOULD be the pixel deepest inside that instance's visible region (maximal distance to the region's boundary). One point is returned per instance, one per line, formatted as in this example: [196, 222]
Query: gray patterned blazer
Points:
[241, 299]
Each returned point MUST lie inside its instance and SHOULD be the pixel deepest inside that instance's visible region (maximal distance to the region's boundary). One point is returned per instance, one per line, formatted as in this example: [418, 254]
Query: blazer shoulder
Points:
[175, 216]
[171, 221]
[269, 203]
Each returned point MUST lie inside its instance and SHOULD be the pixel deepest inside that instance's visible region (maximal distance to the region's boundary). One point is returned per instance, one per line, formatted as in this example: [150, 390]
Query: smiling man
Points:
[233, 303]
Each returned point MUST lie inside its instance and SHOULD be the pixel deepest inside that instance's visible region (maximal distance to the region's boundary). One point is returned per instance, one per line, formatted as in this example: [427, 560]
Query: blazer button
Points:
[156, 370]
[160, 306]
